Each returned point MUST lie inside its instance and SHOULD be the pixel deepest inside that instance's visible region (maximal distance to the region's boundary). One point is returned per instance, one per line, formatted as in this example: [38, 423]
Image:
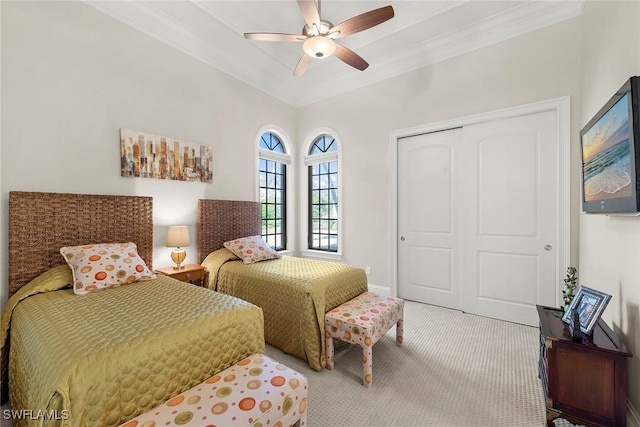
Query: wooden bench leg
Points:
[367, 365]
[302, 422]
[328, 339]
[399, 332]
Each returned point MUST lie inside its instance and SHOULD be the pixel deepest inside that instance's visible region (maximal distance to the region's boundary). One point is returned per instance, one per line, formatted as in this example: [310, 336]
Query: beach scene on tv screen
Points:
[606, 155]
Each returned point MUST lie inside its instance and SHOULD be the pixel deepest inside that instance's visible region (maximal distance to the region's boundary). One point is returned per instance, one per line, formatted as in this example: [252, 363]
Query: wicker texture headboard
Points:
[223, 220]
[41, 223]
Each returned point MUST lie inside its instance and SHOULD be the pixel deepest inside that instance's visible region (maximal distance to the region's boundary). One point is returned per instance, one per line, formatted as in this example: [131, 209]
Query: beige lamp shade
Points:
[178, 236]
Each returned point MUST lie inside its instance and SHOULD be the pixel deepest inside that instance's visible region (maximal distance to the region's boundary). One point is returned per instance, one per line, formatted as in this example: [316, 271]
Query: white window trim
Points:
[307, 160]
[287, 159]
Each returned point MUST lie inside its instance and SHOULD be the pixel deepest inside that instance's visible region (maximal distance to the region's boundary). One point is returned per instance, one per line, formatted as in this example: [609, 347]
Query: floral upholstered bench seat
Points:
[362, 321]
[257, 391]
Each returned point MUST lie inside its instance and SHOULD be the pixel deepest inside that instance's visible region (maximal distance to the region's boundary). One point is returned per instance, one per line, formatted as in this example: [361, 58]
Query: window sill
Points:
[287, 252]
[309, 253]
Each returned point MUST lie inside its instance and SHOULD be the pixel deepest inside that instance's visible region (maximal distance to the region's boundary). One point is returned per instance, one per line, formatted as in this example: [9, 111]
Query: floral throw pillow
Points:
[105, 265]
[251, 249]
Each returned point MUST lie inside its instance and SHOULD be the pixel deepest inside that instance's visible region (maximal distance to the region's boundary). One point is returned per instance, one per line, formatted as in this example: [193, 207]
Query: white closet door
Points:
[478, 217]
[511, 217]
[428, 218]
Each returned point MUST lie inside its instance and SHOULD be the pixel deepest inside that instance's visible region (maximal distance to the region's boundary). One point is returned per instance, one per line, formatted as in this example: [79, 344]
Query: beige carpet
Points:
[454, 369]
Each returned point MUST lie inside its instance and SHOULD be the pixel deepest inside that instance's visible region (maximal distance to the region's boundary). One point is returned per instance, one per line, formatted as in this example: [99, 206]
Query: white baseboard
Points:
[633, 417]
[384, 290]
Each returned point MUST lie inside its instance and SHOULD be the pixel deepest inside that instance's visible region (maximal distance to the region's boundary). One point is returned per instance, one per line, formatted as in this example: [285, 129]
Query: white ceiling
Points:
[421, 33]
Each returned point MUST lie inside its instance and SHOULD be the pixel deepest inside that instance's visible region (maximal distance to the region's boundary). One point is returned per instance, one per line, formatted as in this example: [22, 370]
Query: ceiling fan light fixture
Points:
[319, 47]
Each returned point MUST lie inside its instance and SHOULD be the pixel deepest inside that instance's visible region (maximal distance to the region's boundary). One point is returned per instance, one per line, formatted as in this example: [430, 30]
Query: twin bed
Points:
[104, 357]
[294, 293]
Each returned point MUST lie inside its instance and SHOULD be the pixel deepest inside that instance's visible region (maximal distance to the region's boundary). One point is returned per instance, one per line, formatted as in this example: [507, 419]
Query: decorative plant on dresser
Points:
[569, 290]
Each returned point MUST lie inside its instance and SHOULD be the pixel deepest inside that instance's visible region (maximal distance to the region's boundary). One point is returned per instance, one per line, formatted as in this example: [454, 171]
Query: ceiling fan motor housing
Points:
[317, 30]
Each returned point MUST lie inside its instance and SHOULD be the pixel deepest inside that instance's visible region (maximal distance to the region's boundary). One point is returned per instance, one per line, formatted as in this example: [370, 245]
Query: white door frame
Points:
[561, 106]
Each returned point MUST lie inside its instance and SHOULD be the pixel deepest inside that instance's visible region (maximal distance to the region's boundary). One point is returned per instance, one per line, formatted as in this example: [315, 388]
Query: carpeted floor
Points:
[454, 369]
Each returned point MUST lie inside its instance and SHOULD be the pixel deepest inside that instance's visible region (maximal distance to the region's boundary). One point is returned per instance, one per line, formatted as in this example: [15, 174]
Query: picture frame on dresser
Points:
[590, 304]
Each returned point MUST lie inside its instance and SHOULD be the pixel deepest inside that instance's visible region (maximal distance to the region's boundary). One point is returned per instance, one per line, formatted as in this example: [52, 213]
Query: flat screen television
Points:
[611, 154]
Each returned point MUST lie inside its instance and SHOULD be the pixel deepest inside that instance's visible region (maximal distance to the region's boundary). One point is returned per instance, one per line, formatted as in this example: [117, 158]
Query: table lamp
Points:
[178, 236]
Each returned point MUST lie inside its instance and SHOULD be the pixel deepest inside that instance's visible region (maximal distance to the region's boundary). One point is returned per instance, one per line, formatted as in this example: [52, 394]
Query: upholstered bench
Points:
[257, 392]
[362, 321]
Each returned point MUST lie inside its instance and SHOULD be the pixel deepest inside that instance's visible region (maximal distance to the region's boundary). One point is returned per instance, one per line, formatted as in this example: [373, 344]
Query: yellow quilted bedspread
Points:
[102, 358]
[294, 294]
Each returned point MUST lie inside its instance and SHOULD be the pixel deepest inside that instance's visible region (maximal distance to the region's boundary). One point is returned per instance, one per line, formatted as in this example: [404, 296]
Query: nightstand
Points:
[191, 273]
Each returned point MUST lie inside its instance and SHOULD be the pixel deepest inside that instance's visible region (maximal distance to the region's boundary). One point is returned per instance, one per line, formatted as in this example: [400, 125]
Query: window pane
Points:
[270, 211]
[333, 197]
[272, 166]
[272, 183]
[333, 180]
[323, 197]
[271, 240]
[270, 141]
[323, 144]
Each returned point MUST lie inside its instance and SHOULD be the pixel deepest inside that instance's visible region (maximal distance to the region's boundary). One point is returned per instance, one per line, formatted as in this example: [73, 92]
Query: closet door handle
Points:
[402, 238]
[548, 247]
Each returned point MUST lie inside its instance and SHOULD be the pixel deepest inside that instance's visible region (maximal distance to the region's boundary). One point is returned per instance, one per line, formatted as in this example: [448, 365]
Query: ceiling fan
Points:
[318, 36]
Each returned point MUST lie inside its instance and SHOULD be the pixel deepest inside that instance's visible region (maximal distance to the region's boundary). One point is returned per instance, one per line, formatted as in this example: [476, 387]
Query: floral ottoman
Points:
[362, 321]
[257, 392]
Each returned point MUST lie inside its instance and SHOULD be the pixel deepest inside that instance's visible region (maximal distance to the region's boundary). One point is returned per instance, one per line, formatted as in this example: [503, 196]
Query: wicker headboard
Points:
[41, 223]
[223, 220]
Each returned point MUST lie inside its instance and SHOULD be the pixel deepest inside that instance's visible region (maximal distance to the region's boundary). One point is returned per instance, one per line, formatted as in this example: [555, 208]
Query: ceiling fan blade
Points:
[302, 65]
[310, 12]
[275, 37]
[350, 57]
[362, 22]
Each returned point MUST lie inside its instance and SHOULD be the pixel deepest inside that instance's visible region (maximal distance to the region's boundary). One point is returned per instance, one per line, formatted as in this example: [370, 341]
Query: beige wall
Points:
[537, 66]
[610, 245]
[73, 76]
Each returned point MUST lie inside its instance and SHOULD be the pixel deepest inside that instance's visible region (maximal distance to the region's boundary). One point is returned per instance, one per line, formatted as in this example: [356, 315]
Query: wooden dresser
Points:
[583, 382]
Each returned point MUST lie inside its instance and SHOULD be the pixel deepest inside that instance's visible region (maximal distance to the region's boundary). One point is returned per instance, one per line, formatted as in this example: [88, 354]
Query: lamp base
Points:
[178, 255]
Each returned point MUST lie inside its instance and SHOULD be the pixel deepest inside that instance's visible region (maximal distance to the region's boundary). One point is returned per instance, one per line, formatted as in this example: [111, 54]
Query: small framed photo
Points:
[589, 304]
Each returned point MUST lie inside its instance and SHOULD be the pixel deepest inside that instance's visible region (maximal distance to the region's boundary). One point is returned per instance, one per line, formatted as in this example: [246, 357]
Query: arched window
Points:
[272, 188]
[323, 187]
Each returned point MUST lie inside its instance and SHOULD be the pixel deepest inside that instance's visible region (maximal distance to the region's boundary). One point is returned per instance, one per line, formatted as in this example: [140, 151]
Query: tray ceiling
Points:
[421, 33]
